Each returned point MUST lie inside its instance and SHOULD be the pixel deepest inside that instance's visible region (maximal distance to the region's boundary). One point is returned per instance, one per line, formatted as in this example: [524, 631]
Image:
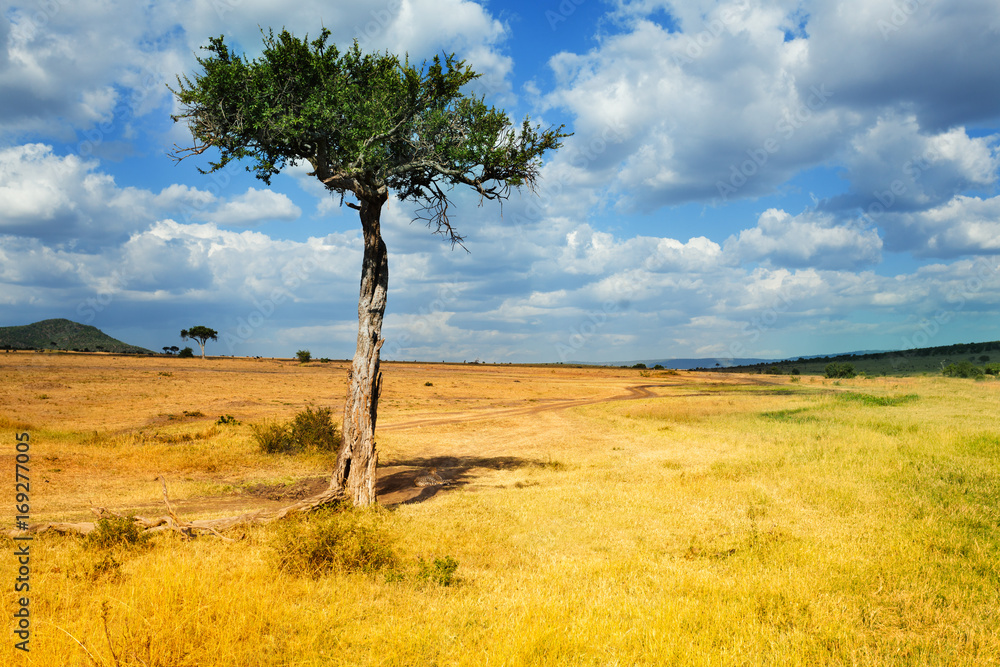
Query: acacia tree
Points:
[201, 334]
[368, 124]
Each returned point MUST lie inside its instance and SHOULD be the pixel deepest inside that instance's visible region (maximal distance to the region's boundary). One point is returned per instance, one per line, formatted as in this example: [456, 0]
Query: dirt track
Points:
[545, 405]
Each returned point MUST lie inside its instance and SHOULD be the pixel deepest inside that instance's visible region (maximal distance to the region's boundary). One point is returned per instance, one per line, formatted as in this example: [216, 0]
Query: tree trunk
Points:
[355, 471]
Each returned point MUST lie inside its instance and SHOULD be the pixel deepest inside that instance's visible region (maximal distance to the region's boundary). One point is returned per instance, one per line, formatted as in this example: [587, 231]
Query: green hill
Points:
[63, 334]
[904, 362]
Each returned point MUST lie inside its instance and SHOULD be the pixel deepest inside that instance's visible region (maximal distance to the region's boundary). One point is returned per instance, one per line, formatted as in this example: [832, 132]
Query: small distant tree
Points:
[186, 353]
[166, 349]
[963, 369]
[174, 349]
[836, 370]
[201, 335]
[304, 355]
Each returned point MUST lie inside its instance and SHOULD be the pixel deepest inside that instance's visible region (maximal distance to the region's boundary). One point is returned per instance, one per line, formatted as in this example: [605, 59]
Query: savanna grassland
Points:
[597, 517]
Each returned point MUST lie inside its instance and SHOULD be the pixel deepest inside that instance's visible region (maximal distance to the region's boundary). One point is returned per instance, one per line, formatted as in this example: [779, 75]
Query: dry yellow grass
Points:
[707, 520]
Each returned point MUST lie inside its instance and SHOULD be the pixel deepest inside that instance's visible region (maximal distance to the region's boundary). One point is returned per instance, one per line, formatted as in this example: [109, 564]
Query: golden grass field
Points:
[598, 516]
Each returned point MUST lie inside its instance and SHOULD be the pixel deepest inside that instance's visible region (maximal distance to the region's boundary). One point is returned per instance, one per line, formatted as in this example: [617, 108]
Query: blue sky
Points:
[751, 178]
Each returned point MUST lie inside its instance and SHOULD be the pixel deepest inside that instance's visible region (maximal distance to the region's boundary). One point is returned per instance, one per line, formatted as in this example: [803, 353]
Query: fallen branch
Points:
[187, 528]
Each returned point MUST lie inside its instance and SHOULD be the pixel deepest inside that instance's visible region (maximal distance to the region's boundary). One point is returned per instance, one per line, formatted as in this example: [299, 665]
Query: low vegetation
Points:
[839, 370]
[337, 539]
[963, 369]
[309, 430]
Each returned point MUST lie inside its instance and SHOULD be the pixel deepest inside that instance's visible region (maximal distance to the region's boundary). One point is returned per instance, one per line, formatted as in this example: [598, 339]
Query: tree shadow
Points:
[396, 483]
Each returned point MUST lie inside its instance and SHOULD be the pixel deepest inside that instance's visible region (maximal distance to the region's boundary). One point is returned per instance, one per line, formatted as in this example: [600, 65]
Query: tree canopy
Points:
[364, 122]
[201, 334]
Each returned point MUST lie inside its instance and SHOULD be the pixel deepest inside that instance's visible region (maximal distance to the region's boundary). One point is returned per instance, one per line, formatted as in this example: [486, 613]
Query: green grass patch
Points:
[793, 415]
[876, 401]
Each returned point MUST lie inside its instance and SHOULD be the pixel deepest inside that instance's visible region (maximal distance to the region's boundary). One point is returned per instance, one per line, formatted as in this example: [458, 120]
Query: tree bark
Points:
[354, 474]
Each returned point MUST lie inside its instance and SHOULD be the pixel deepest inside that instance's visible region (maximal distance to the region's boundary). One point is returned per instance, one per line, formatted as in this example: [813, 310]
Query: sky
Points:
[749, 178]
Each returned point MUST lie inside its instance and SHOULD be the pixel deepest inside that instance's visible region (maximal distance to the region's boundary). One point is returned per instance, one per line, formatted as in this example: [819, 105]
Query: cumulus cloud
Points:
[65, 199]
[963, 226]
[880, 54]
[254, 207]
[807, 240]
[723, 117]
[93, 68]
[894, 166]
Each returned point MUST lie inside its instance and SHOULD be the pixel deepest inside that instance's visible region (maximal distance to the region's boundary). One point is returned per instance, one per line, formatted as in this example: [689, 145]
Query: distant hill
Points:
[678, 364]
[63, 334]
[901, 362]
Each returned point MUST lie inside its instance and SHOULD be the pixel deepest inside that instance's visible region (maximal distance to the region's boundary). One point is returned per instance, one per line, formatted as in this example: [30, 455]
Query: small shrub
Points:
[194, 413]
[796, 371]
[272, 437]
[315, 430]
[304, 355]
[115, 532]
[428, 384]
[640, 366]
[338, 539]
[963, 369]
[324, 360]
[227, 419]
[107, 567]
[441, 571]
[836, 370]
[992, 369]
[658, 367]
[309, 430]
[186, 353]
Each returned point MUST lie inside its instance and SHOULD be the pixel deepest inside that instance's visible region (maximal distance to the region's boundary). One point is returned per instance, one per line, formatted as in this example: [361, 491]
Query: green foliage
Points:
[303, 355]
[640, 366]
[116, 532]
[200, 333]
[364, 122]
[440, 571]
[186, 353]
[963, 369]
[224, 420]
[992, 369]
[658, 367]
[315, 430]
[272, 437]
[428, 384]
[309, 430]
[869, 399]
[789, 415]
[338, 539]
[839, 370]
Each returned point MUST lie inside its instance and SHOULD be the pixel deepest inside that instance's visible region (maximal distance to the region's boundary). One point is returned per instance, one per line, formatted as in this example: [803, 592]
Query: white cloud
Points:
[724, 117]
[963, 226]
[254, 207]
[95, 66]
[893, 166]
[810, 239]
[880, 54]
